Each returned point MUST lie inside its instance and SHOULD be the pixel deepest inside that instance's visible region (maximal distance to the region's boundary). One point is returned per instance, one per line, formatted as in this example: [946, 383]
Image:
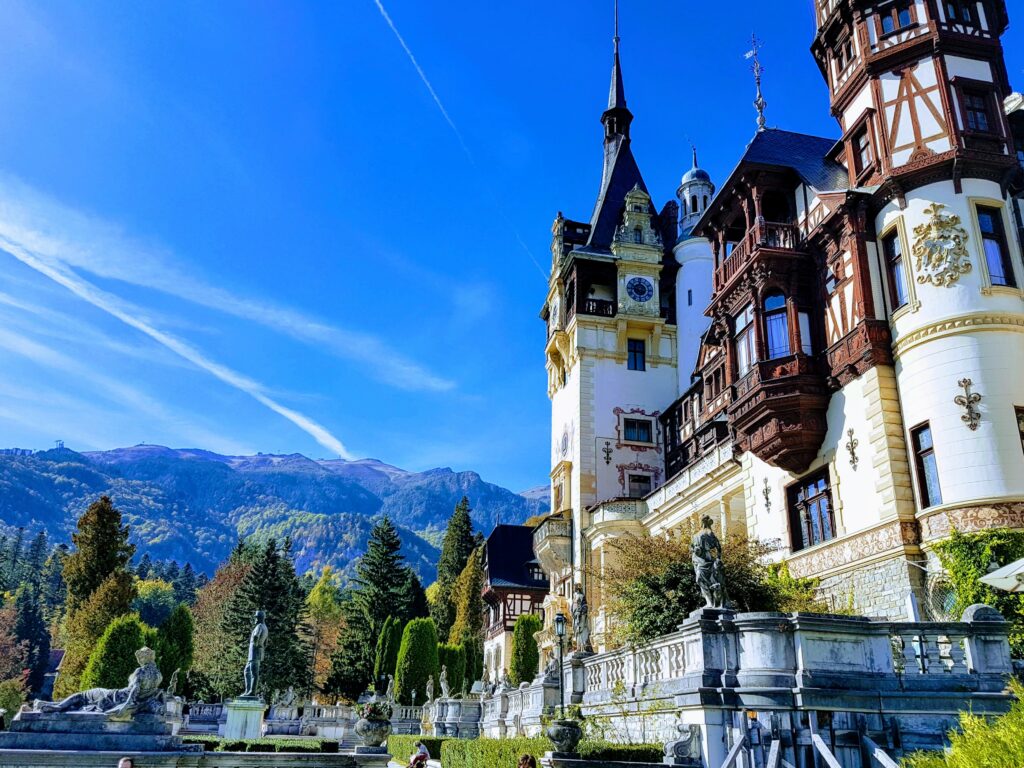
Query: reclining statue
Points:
[142, 696]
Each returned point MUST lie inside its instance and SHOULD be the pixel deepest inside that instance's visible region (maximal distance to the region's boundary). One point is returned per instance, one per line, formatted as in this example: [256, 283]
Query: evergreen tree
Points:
[388, 645]
[154, 602]
[453, 657]
[352, 660]
[468, 628]
[171, 572]
[213, 677]
[456, 547]
[12, 564]
[113, 658]
[525, 661]
[185, 585]
[101, 549]
[145, 567]
[417, 660]
[323, 604]
[272, 586]
[380, 578]
[414, 597]
[30, 629]
[52, 590]
[34, 560]
[175, 642]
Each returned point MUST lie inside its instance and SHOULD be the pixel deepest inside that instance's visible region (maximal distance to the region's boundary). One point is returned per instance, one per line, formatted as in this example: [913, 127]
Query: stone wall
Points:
[878, 589]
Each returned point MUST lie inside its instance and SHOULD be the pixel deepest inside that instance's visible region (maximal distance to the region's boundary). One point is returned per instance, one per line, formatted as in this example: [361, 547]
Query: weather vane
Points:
[759, 103]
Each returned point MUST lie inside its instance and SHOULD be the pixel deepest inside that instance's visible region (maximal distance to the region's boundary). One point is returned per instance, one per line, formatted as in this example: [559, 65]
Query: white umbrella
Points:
[1009, 578]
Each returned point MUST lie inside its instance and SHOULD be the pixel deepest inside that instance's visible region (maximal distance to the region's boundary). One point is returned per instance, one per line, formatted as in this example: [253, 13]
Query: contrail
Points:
[104, 301]
[458, 134]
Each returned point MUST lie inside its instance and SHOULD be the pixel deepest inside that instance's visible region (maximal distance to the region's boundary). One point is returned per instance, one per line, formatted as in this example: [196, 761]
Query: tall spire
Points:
[617, 117]
[759, 103]
[694, 148]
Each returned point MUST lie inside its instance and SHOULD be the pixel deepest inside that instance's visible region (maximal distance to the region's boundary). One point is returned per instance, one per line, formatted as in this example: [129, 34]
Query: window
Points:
[862, 154]
[638, 235]
[810, 511]
[892, 247]
[844, 54]
[1020, 425]
[899, 16]
[960, 11]
[689, 297]
[537, 573]
[636, 354]
[776, 323]
[976, 111]
[806, 339]
[927, 469]
[637, 430]
[639, 486]
[997, 251]
[746, 353]
[693, 203]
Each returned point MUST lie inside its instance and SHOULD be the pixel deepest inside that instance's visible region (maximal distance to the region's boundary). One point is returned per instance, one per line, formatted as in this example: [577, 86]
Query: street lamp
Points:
[560, 632]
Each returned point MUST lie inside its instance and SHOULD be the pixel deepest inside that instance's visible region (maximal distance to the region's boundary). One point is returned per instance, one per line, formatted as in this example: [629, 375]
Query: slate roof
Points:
[807, 155]
[509, 553]
[621, 174]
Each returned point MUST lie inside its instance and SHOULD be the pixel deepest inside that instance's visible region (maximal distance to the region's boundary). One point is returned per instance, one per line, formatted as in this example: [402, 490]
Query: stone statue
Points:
[172, 687]
[443, 680]
[708, 570]
[287, 699]
[581, 622]
[142, 696]
[389, 695]
[504, 684]
[430, 690]
[257, 646]
[414, 697]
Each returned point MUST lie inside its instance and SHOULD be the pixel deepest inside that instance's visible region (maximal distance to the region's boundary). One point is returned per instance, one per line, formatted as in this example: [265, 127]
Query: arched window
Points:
[638, 235]
[776, 324]
[693, 203]
[705, 201]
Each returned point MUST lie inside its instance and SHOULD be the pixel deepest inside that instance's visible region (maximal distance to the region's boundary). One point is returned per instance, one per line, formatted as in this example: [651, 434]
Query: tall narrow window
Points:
[806, 340]
[862, 155]
[638, 235]
[745, 352]
[927, 469]
[892, 247]
[959, 12]
[810, 511]
[693, 203]
[976, 110]
[776, 323]
[636, 354]
[689, 297]
[997, 251]
[1020, 425]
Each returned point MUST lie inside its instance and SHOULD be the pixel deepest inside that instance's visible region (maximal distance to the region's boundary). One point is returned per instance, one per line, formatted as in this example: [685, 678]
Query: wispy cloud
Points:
[118, 309]
[69, 241]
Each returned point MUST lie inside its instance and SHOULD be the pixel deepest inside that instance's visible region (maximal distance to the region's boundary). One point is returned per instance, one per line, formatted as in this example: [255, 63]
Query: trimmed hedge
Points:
[495, 753]
[401, 747]
[525, 661]
[282, 744]
[113, 659]
[388, 644]
[417, 660]
[453, 656]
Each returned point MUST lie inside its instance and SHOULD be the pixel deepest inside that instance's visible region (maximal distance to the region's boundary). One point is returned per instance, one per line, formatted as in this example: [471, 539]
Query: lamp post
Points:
[560, 632]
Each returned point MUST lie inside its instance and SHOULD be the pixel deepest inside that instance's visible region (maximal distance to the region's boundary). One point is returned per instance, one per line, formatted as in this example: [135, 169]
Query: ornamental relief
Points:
[940, 248]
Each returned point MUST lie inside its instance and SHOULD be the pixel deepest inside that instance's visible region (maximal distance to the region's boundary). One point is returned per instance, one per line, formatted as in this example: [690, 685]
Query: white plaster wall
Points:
[696, 268]
[861, 102]
[958, 66]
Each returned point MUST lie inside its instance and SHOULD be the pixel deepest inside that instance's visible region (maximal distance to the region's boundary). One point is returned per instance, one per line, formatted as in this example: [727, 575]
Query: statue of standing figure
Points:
[257, 646]
[389, 695]
[581, 622]
[430, 690]
[708, 570]
[443, 680]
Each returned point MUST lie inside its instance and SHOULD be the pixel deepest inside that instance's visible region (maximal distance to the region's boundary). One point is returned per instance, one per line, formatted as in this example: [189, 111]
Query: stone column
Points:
[244, 719]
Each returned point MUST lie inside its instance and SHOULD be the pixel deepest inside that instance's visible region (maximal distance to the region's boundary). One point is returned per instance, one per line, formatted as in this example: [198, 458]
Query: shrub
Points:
[523, 665]
[269, 744]
[12, 695]
[454, 658]
[388, 645]
[493, 753]
[175, 643]
[401, 747]
[113, 658]
[622, 753]
[981, 743]
[417, 660]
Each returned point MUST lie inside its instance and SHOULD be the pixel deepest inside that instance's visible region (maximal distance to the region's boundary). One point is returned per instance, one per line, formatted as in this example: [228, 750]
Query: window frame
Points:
[899, 295]
[920, 455]
[864, 126]
[964, 86]
[1012, 254]
[628, 420]
[960, 5]
[913, 304]
[767, 316]
[999, 237]
[746, 335]
[629, 484]
[892, 13]
[798, 504]
[636, 358]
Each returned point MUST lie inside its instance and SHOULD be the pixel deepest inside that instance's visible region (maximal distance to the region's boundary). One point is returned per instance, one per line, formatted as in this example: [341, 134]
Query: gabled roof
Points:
[808, 156]
[621, 174]
[509, 555]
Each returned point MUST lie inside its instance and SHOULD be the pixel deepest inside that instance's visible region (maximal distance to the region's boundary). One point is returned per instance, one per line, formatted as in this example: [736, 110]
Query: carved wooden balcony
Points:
[765, 240]
[778, 410]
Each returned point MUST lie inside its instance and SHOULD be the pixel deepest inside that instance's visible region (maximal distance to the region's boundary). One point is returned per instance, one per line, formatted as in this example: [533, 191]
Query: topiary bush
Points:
[113, 658]
[269, 744]
[454, 658]
[525, 661]
[401, 747]
[175, 643]
[388, 645]
[495, 753]
[417, 660]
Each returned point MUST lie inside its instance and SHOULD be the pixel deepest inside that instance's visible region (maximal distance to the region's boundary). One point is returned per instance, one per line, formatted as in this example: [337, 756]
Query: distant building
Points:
[514, 584]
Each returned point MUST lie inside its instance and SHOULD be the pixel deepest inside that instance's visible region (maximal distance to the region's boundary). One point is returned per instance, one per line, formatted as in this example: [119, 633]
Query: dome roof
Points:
[696, 174]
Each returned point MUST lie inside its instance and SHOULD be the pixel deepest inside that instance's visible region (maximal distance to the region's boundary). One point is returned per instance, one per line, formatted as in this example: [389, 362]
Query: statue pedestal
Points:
[245, 719]
[89, 731]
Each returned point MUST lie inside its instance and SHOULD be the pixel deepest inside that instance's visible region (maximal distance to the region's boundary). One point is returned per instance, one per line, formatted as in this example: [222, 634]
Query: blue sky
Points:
[248, 226]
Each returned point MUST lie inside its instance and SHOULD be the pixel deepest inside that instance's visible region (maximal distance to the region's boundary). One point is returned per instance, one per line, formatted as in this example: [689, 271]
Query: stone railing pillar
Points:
[987, 646]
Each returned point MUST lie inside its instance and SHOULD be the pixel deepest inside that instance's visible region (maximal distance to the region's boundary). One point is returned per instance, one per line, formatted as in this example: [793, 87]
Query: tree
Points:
[13, 652]
[113, 658]
[30, 629]
[175, 642]
[452, 656]
[101, 548]
[84, 627]
[12, 693]
[323, 604]
[456, 547]
[414, 598]
[213, 645]
[468, 627]
[525, 661]
[145, 569]
[154, 602]
[53, 591]
[185, 585]
[388, 645]
[34, 560]
[11, 575]
[417, 660]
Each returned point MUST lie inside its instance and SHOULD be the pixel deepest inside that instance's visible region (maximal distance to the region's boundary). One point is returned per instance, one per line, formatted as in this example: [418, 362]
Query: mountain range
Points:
[193, 506]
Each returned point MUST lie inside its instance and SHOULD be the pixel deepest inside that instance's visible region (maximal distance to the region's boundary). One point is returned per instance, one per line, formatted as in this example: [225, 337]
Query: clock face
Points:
[640, 289]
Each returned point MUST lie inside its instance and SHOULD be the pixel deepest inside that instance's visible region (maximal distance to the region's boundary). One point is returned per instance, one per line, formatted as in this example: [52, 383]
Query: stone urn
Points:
[565, 735]
[372, 732]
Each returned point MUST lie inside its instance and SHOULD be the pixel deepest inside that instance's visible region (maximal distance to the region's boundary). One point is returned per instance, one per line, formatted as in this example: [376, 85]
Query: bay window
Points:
[776, 323]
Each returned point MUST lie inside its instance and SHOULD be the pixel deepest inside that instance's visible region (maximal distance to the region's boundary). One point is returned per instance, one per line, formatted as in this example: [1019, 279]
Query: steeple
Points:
[617, 117]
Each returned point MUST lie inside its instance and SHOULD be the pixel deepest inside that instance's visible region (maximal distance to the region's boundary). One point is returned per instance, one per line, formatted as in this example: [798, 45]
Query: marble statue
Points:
[257, 646]
[443, 680]
[430, 690]
[287, 699]
[389, 695]
[172, 686]
[708, 570]
[142, 696]
[581, 622]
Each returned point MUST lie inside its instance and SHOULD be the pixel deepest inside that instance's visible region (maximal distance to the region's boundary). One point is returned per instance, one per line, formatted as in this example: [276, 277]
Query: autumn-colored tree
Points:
[13, 652]
[324, 621]
[468, 627]
[212, 644]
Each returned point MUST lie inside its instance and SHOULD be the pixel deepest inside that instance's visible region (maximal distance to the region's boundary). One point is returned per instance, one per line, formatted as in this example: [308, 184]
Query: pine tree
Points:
[53, 591]
[175, 642]
[12, 566]
[145, 567]
[456, 547]
[101, 548]
[30, 628]
[414, 597]
[185, 585]
[113, 658]
[34, 560]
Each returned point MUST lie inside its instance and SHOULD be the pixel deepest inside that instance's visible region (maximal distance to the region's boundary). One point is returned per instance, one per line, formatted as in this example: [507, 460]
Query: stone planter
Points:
[565, 735]
[372, 733]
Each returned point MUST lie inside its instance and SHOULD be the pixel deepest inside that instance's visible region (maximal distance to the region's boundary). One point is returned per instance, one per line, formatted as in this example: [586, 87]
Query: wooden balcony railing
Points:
[764, 234]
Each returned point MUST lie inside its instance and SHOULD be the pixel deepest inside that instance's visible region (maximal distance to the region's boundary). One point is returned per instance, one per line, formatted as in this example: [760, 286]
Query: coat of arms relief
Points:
[940, 248]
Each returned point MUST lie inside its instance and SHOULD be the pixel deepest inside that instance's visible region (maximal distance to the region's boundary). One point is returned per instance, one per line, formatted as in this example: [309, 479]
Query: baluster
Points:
[911, 665]
[933, 658]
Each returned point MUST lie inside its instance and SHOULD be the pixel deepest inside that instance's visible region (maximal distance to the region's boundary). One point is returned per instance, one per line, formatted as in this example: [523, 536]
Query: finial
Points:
[694, 148]
[616, 38]
[759, 103]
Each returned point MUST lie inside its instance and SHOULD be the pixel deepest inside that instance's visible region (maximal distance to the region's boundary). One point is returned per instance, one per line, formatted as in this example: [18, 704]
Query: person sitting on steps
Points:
[527, 761]
[420, 756]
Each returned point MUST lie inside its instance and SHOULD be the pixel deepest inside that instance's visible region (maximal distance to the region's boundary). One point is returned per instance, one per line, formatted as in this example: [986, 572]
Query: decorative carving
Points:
[940, 250]
[939, 524]
[968, 400]
[851, 549]
[767, 497]
[851, 446]
[607, 451]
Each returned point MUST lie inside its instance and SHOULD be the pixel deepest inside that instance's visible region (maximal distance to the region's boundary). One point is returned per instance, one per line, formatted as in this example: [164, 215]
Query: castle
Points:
[827, 349]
